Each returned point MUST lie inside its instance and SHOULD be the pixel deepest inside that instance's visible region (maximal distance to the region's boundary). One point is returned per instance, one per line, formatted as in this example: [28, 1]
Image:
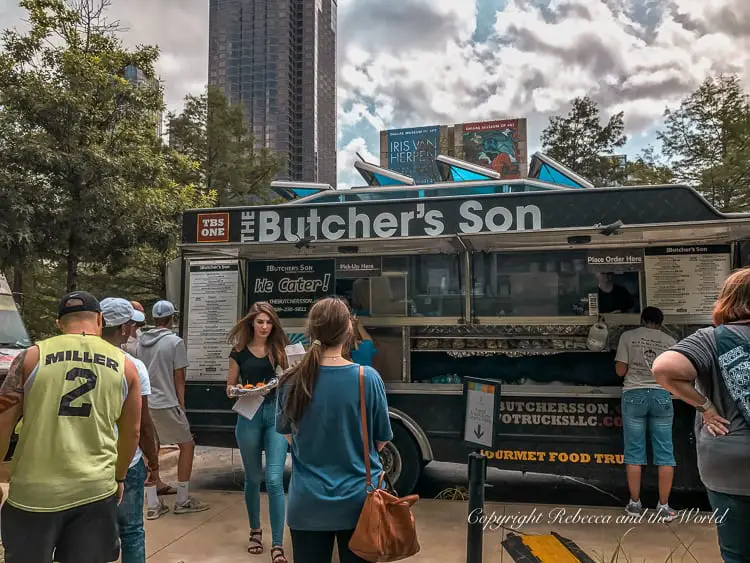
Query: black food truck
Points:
[496, 279]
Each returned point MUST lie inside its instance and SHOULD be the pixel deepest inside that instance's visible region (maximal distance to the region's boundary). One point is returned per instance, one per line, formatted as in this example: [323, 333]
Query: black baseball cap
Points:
[77, 302]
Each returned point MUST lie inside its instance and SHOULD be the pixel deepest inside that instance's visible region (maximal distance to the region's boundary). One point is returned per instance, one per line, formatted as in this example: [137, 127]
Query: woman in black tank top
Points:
[259, 350]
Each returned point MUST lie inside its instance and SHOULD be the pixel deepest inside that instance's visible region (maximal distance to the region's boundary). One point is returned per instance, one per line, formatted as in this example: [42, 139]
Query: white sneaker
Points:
[192, 505]
[634, 509]
[155, 512]
[666, 513]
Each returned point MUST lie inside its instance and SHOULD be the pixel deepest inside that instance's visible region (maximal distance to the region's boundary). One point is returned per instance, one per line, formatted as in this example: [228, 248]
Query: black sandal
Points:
[279, 557]
[256, 542]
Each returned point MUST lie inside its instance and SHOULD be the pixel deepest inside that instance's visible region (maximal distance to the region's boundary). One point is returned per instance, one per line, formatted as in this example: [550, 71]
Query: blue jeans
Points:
[648, 410]
[130, 516]
[734, 541]
[253, 436]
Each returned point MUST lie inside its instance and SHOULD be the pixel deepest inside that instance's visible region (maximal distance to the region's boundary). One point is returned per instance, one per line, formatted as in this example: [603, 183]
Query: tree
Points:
[648, 170]
[708, 140]
[84, 137]
[212, 133]
[580, 142]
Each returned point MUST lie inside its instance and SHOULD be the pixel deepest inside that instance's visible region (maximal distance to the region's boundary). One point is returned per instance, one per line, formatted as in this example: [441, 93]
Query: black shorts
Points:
[85, 534]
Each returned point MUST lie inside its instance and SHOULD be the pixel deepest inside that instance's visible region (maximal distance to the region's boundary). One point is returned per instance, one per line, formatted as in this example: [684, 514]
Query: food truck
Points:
[474, 276]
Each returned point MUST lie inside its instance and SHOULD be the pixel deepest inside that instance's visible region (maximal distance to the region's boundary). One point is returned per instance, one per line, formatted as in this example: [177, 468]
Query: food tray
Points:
[260, 389]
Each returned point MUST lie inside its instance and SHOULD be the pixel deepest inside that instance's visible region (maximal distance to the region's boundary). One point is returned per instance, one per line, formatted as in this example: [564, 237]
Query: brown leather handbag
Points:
[386, 530]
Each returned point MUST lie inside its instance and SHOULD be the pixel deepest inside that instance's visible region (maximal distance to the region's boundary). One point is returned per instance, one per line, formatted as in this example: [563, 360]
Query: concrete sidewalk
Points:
[220, 534]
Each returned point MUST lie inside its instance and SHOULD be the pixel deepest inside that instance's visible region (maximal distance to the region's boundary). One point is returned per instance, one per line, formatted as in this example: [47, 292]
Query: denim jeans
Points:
[734, 541]
[648, 412]
[254, 436]
[130, 516]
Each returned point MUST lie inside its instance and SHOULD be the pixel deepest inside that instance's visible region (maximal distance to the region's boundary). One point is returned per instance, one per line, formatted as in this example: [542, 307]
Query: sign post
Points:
[481, 402]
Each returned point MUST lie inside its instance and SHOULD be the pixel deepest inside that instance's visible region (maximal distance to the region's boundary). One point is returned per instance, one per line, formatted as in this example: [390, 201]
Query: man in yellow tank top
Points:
[81, 400]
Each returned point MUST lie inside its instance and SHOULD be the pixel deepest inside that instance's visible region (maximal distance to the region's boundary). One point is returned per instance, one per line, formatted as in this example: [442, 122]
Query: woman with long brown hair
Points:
[319, 414]
[258, 351]
[718, 359]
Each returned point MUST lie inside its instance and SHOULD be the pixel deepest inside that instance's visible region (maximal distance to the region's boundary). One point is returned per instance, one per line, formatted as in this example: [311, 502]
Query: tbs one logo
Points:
[213, 227]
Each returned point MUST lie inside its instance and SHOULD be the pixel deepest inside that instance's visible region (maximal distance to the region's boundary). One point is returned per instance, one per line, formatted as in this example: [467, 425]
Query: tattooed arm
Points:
[11, 395]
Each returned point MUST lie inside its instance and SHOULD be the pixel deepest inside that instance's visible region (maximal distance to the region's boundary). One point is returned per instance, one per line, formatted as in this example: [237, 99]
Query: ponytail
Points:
[301, 379]
[328, 324]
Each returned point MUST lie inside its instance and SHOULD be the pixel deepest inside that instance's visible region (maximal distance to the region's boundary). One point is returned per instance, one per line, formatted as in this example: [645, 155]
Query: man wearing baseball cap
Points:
[165, 357]
[119, 319]
[81, 401]
[131, 346]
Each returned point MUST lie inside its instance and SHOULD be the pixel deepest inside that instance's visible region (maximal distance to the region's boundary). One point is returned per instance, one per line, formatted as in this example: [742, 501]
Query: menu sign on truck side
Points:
[291, 286]
[686, 280]
[213, 311]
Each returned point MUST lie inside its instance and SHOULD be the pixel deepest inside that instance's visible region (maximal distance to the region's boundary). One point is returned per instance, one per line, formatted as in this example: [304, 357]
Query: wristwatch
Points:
[120, 480]
[705, 406]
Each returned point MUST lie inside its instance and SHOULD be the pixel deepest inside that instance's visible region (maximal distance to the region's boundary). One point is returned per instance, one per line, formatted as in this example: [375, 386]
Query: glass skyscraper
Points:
[277, 59]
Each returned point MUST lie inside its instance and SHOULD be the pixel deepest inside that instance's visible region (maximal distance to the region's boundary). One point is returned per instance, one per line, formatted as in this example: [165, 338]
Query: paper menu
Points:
[248, 405]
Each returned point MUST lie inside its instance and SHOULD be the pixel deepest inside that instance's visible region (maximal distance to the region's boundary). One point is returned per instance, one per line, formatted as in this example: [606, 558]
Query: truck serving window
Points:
[428, 285]
[550, 284]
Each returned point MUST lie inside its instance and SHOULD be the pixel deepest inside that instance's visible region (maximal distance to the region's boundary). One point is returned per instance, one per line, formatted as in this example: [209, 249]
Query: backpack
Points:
[733, 355]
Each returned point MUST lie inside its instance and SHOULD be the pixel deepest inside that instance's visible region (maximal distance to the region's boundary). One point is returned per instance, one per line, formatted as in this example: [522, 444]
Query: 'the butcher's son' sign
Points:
[410, 220]
[445, 216]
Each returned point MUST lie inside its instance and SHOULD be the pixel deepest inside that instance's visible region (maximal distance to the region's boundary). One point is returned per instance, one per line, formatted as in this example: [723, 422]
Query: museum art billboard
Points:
[412, 152]
[500, 145]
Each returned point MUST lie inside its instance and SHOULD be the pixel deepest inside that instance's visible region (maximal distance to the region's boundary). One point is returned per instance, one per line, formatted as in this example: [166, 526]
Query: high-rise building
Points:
[136, 76]
[277, 59]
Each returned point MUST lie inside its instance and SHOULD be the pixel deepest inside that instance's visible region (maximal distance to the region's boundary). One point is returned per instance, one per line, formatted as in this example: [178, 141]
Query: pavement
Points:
[220, 534]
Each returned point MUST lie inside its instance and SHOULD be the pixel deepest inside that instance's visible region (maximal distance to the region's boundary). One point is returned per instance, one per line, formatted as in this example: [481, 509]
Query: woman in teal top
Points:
[327, 488]
[363, 348]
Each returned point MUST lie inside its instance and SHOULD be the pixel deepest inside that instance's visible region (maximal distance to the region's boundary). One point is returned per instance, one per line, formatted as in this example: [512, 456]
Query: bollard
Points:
[477, 478]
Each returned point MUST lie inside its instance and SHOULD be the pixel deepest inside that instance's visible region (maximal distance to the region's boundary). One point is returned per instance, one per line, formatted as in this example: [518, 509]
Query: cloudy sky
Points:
[408, 63]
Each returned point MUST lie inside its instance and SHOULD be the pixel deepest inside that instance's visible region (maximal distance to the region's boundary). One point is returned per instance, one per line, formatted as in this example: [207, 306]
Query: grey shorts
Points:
[171, 425]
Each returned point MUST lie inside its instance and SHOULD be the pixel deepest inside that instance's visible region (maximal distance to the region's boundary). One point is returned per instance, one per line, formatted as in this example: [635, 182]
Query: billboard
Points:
[412, 152]
[499, 145]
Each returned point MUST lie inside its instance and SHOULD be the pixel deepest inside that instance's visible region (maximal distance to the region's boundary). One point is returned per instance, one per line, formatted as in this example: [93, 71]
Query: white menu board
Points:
[686, 280]
[212, 313]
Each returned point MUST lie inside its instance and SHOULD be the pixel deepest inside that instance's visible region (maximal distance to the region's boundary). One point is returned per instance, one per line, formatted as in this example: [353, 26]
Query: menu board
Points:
[686, 280]
[213, 312]
[291, 286]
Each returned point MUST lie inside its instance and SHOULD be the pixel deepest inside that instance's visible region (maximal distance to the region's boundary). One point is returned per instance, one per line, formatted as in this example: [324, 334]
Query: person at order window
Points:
[363, 348]
[613, 297]
[646, 407]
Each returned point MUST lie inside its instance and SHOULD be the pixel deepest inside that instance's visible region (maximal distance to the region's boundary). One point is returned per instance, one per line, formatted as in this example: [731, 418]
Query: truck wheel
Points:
[402, 461]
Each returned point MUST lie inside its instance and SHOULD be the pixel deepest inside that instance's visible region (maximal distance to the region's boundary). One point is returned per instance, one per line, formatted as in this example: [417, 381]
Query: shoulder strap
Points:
[363, 415]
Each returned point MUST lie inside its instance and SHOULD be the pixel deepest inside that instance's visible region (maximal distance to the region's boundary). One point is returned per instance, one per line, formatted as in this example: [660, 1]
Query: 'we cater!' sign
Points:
[446, 216]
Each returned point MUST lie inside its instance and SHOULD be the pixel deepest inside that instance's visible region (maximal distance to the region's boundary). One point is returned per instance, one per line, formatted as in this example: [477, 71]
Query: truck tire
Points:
[402, 461]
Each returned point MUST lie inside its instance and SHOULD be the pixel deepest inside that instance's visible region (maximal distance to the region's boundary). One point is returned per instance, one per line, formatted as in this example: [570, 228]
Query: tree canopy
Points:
[90, 187]
[212, 133]
[580, 141]
[708, 140]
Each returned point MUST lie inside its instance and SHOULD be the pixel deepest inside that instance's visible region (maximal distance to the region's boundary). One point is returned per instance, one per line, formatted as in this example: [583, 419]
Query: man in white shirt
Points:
[646, 407]
[119, 319]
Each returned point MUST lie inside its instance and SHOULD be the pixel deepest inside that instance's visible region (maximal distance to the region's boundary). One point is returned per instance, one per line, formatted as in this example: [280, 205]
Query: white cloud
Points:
[415, 62]
[347, 156]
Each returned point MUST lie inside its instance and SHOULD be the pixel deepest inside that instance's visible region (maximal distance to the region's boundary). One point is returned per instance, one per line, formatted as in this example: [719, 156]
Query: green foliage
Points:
[92, 197]
[213, 133]
[708, 140]
[579, 141]
[648, 170]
